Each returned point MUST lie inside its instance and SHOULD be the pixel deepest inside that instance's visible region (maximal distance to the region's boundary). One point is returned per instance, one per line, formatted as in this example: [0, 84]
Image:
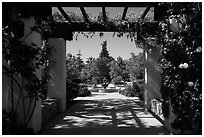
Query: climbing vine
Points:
[128, 27]
[22, 61]
[181, 63]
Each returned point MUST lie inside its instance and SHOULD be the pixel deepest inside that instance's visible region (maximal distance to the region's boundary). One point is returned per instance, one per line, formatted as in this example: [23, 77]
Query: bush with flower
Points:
[181, 63]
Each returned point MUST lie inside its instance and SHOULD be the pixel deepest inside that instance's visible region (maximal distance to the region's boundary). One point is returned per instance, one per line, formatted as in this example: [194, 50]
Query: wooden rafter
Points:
[145, 12]
[104, 13]
[85, 15]
[64, 14]
[124, 13]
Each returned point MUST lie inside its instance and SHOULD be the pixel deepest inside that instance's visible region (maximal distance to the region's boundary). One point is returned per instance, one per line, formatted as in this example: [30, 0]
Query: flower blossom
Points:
[198, 49]
[184, 65]
[190, 83]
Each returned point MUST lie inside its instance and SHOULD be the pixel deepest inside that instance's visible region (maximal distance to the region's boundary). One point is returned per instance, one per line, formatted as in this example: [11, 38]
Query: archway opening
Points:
[122, 60]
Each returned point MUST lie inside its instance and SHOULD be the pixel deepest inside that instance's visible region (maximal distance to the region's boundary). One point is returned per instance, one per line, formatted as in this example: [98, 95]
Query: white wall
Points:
[57, 84]
[152, 75]
[35, 122]
[153, 82]
[35, 38]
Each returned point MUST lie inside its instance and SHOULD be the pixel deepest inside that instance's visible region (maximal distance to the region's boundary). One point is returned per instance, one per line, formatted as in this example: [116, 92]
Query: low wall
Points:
[156, 108]
[50, 108]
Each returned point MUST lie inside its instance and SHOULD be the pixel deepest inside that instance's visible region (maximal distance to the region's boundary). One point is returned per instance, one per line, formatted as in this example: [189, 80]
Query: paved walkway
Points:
[105, 114]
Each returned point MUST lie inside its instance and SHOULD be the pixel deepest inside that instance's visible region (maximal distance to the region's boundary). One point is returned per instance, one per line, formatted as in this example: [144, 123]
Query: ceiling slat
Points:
[104, 13]
[124, 13]
[145, 12]
[84, 14]
[64, 14]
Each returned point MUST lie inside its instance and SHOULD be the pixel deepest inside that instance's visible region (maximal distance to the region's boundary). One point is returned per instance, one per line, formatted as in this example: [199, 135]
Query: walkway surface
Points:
[105, 114]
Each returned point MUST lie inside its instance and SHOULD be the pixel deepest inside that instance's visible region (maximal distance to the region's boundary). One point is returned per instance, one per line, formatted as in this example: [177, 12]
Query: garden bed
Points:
[110, 90]
[95, 89]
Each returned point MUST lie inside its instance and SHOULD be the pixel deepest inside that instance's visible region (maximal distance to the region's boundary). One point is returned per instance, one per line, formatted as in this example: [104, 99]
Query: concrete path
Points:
[105, 114]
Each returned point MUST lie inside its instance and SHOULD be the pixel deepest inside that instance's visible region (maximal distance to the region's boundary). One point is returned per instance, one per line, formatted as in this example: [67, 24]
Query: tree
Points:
[103, 68]
[118, 68]
[104, 51]
[101, 65]
[79, 62]
[135, 66]
[89, 72]
[74, 66]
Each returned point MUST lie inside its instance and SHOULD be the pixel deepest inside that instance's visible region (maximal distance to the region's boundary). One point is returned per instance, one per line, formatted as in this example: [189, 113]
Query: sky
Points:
[91, 47]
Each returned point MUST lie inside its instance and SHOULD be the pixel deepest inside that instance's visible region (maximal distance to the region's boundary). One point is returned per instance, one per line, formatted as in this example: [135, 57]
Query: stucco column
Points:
[152, 76]
[57, 83]
[145, 94]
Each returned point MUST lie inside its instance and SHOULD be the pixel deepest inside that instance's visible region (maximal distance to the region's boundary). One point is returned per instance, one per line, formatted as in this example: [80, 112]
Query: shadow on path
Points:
[111, 116]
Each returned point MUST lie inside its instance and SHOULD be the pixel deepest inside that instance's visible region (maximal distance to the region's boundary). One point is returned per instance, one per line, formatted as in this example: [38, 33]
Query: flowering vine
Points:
[181, 64]
[22, 61]
[128, 27]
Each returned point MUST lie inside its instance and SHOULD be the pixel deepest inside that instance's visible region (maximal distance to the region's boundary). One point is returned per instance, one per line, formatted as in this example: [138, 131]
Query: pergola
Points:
[103, 6]
[79, 26]
[63, 29]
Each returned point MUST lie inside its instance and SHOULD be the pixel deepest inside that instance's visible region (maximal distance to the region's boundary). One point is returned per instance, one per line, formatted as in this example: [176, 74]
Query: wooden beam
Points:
[145, 12]
[64, 14]
[77, 26]
[64, 30]
[104, 13]
[84, 14]
[124, 13]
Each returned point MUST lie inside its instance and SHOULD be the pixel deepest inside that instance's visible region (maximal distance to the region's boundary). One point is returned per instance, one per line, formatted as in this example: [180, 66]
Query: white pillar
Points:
[146, 95]
[152, 76]
[57, 84]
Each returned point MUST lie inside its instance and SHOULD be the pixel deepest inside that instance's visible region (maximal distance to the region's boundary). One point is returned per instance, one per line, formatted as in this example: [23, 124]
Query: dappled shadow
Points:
[104, 117]
[109, 131]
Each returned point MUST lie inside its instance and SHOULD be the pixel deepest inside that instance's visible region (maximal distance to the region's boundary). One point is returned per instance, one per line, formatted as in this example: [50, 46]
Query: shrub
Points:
[133, 91]
[117, 80]
[181, 64]
[94, 90]
[72, 90]
[138, 88]
[128, 92]
[83, 91]
[111, 90]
